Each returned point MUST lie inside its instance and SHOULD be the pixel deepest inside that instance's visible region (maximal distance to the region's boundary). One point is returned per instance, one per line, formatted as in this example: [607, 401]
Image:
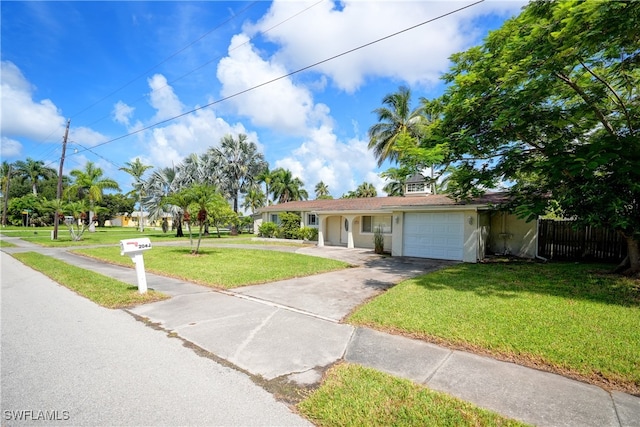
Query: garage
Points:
[434, 235]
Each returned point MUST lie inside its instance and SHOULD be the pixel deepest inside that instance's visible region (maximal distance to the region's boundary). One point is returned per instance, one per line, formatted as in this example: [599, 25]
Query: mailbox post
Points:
[134, 248]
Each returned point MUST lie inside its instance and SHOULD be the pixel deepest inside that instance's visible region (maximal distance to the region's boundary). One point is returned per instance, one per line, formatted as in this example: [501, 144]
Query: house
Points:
[418, 224]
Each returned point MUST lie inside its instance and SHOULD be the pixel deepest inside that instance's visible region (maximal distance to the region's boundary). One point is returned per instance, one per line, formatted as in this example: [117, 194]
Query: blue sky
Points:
[117, 67]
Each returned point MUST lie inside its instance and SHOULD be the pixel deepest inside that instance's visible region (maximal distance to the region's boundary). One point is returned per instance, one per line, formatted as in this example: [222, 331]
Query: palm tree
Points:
[286, 188]
[32, 171]
[5, 181]
[254, 200]
[397, 178]
[162, 183]
[366, 189]
[238, 163]
[266, 177]
[322, 191]
[395, 118]
[136, 169]
[89, 183]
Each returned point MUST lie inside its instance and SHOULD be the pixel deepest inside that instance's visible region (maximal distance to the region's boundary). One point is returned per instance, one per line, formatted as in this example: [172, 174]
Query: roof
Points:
[417, 178]
[383, 203]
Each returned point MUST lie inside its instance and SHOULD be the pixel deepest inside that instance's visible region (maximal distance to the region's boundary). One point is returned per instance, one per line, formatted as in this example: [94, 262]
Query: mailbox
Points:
[134, 248]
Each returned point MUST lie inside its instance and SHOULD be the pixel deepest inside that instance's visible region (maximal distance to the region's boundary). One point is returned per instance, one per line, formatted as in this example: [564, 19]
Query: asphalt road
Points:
[67, 361]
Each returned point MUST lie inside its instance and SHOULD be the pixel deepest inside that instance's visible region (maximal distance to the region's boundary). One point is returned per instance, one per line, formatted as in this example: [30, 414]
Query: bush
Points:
[309, 233]
[290, 225]
[378, 241]
[268, 229]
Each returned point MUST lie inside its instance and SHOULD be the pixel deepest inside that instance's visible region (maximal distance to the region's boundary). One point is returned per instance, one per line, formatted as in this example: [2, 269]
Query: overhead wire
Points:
[287, 74]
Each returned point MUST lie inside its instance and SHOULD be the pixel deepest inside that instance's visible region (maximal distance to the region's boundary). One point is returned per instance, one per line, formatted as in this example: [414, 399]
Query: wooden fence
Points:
[561, 240]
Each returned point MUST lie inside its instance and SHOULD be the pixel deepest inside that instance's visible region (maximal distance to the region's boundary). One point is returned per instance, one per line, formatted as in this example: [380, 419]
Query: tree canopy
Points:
[549, 106]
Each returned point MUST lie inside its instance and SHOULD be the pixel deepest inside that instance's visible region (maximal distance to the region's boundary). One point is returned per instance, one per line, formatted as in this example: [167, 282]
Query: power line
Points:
[288, 74]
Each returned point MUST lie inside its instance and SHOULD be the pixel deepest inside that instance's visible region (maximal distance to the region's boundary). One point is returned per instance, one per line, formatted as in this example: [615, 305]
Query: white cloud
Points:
[418, 56]
[322, 157]
[163, 99]
[20, 114]
[122, 113]
[10, 148]
[281, 105]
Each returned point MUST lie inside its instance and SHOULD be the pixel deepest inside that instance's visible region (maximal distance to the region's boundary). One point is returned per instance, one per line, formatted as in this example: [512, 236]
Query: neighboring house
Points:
[425, 226]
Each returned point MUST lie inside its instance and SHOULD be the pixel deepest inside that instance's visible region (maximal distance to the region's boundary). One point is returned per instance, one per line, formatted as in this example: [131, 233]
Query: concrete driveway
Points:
[333, 295]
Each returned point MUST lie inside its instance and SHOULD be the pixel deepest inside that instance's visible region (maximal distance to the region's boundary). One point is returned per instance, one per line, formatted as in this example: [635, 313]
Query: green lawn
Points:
[352, 395]
[100, 289]
[570, 318]
[221, 267]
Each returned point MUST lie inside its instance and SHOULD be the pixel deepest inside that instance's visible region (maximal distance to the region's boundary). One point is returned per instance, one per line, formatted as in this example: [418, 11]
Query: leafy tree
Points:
[322, 191]
[220, 213]
[114, 205]
[180, 200]
[136, 169]
[32, 170]
[553, 93]
[286, 188]
[89, 183]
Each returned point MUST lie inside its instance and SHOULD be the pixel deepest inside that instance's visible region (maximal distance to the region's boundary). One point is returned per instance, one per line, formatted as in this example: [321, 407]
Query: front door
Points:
[344, 230]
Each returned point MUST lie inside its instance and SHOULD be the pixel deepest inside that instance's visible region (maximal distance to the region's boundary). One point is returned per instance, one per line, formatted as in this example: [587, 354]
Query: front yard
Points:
[573, 319]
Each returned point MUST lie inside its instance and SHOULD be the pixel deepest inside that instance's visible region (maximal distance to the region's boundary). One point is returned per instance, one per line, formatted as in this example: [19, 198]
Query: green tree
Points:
[32, 170]
[395, 118]
[238, 163]
[322, 191]
[199, 197]
[179, 201]
[90, 184]
[366, 189]
[553, 93]
[5, 185]
[220, 213]
[286, 188]
[266, 176]
[254, 200]
[162, 183]
[136, 169]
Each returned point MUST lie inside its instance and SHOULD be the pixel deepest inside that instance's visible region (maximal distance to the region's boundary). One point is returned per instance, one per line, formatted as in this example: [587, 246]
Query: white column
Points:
[321, 221]
[350, 219]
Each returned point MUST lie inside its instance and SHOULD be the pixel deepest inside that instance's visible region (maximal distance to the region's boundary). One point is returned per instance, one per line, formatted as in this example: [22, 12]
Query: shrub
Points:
[309, 233]
[290, 225]
[268, 229]
[378, 241]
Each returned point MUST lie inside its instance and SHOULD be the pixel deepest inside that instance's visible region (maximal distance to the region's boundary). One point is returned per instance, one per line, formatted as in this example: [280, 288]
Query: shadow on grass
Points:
[591, 282]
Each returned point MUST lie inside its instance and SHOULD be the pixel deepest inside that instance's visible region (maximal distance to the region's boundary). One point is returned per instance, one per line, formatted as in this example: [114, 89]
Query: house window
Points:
[312, 219]
[415, 187]
[275, 219]
[371, 223]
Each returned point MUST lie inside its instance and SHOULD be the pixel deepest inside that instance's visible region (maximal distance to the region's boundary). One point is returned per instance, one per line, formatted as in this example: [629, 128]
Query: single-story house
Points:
[418, 224]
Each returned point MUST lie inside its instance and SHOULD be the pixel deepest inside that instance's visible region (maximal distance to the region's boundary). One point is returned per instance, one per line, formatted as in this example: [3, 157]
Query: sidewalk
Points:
[274, 332]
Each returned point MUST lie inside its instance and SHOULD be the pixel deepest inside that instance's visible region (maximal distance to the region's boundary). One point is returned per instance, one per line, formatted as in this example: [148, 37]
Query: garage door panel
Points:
[434, 235]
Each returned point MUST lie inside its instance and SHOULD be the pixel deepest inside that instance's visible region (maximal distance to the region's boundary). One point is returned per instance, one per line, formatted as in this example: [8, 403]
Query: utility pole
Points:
[56, 218]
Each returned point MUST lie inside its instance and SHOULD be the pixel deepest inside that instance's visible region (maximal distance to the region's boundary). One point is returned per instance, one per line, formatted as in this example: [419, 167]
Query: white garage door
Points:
[434, 235]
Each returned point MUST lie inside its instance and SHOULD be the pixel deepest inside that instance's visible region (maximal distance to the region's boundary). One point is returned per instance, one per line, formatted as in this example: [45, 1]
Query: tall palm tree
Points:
[238, 163]
[397, 178]
[5, 181]
[395, 118]
[286, 188]
[32, 170]
[366, 189]
[322, 190]
[136, 169]
[266, 177]
[254, 200]
[89, 183]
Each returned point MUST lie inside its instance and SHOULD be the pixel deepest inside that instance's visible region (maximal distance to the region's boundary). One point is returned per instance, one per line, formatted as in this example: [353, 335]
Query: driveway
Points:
[333, 295]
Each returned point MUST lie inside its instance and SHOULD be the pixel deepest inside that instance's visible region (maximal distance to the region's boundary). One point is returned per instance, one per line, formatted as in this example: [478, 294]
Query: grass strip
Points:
[100, 289]
[574, 319]
[222, 267]
[352, 395]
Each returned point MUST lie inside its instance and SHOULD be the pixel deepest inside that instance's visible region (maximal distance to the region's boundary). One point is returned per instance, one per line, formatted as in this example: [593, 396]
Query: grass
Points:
[221, 267]
[573, 319]
[100, 289]
[6, 244]
[352, 395]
